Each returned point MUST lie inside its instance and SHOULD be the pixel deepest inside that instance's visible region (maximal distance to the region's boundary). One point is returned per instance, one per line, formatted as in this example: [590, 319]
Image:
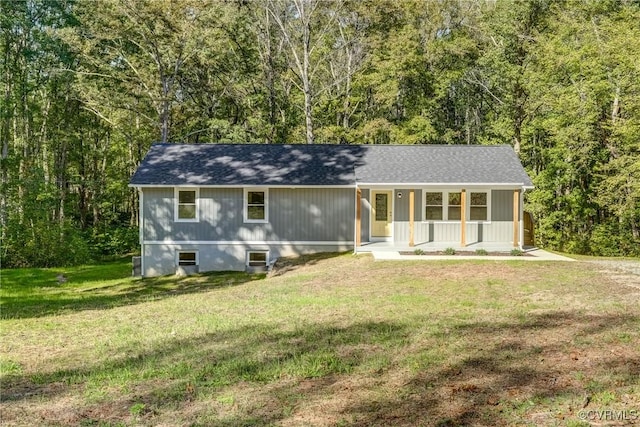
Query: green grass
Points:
[36, 292]
[327, 340]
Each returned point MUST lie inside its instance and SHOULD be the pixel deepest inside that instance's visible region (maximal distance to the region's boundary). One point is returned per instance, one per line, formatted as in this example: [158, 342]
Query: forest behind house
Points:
[87, 86]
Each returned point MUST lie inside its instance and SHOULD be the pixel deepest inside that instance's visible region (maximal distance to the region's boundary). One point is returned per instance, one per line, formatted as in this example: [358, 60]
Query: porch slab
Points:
[433, 247]
[533, 254]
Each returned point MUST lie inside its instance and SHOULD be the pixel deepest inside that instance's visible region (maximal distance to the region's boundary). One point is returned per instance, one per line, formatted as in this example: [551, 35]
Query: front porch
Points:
[432, 219]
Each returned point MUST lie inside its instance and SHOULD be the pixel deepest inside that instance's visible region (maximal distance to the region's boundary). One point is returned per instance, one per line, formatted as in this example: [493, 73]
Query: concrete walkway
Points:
[532, 255]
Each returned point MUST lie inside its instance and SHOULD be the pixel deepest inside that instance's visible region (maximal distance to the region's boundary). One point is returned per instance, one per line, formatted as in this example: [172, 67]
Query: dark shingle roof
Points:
[328, 165]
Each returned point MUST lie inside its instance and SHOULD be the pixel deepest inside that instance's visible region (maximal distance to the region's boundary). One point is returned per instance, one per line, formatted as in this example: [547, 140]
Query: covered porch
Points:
[434, 219]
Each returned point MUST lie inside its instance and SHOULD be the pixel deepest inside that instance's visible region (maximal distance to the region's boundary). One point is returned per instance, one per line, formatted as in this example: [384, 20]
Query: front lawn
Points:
[326, 340]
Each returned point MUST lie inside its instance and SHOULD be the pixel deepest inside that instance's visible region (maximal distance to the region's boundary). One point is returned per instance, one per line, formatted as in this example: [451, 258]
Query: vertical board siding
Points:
[366, 215]
[502, 205]
[401, 224]
[420, 232]
[498, 231]
[305, 214]
[400, 215]
[446, 232]
[312, 214]
[471, 232]
[158, 211]
[501, 227]
[161, 259]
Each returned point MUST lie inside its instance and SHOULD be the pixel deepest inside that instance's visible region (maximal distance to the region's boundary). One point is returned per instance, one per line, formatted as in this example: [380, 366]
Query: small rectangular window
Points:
[478, 207]
[454, 206]
[255, 206]
[187, 258]
[433, 206]
[382, 207]
[257, 259]
[187, 208]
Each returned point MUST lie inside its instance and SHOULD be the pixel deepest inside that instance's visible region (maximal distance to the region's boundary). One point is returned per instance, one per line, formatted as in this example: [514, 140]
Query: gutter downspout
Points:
[355, 220]
[522, 217]
[141, 228]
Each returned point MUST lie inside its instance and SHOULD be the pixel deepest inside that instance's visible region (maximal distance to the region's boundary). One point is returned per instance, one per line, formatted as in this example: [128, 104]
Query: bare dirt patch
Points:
[623, 272]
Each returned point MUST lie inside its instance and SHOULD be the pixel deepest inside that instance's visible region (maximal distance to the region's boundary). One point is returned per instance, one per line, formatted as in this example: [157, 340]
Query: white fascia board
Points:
[506, 185]
[285, 186]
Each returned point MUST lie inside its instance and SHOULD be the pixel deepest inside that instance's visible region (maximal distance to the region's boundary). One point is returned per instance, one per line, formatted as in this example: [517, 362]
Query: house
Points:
[207, 207]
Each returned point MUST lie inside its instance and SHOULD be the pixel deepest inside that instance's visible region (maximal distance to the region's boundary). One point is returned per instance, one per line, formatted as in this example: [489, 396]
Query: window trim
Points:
[445, 205]
[176, 205]
[449, 206]
[425, 206]
[245, 205]
[248, 258]
[183, 251]
[487, 206]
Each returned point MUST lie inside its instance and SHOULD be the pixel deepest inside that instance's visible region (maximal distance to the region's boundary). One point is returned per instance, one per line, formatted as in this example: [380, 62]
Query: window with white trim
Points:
[447, 205]
[433, 206]
[478, 206]
[257, 258]
[187, 205]
[187, 258]
[255, 205]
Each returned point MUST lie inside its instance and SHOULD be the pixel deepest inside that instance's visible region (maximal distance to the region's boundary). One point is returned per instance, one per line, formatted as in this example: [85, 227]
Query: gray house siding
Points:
[303, 214]
[365, 214]
[401, 217]
[161, 259]
[302, 220]
[157, 211]
[501, 227]
[312, 214]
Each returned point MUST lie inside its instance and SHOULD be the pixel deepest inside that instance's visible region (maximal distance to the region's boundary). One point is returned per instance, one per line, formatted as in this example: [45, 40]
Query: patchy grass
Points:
[37, 292]
[325, 340]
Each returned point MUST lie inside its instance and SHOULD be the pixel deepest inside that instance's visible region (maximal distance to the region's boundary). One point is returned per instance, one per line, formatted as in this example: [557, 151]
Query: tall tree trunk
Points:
[306, 77]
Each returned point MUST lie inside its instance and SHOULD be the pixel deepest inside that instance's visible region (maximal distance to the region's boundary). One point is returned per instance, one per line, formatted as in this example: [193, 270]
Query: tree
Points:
[585, 131]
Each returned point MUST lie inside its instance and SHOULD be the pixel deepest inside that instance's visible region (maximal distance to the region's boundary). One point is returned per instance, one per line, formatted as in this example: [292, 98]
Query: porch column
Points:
[358, 216]
[411, 216]
[463, 218]
[516, 217]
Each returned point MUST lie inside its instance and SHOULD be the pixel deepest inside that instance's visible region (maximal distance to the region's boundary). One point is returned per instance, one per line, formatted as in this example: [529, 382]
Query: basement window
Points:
[257, 258]
[187, 258]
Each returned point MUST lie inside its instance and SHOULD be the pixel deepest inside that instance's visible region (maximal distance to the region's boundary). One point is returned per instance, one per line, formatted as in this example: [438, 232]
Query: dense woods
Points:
[87, 86]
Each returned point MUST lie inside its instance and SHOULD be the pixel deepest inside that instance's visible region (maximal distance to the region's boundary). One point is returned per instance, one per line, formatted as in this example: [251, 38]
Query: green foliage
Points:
[114, 241]
[516, 252]
[88, 86]
[44, 246]
[418, 252]
[449, 251]
[481, 252]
